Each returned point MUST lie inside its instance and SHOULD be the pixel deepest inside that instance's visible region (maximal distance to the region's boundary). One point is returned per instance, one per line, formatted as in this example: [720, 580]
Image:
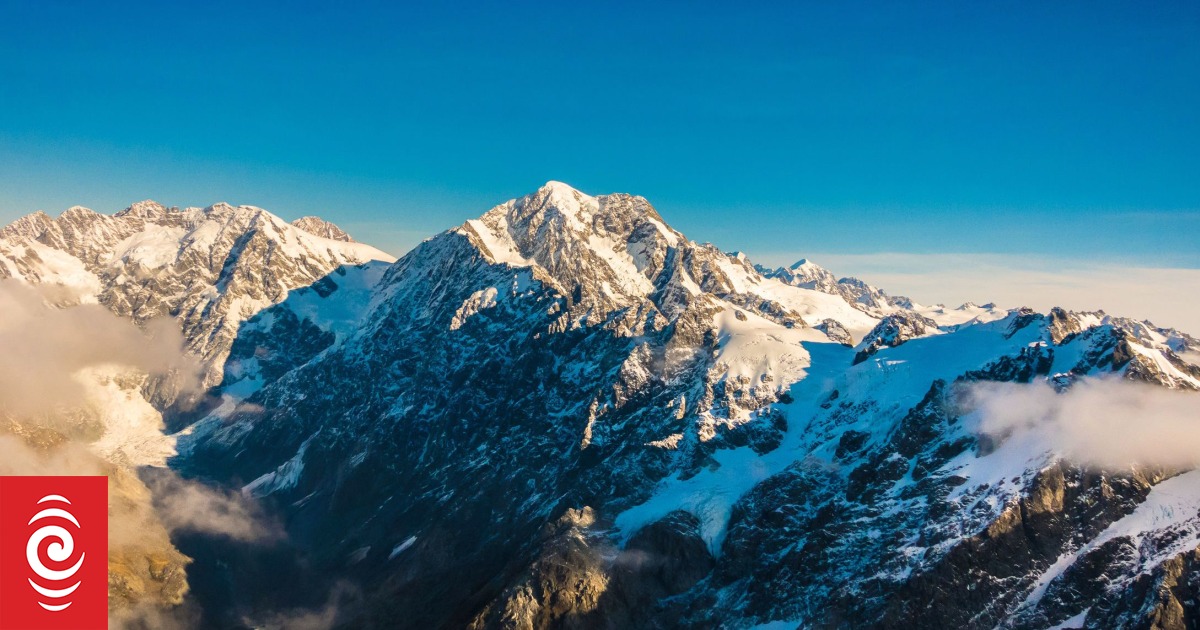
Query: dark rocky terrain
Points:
[566, 414]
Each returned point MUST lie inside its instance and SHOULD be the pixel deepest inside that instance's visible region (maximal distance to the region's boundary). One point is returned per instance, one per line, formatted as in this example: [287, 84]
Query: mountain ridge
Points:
[564, 413]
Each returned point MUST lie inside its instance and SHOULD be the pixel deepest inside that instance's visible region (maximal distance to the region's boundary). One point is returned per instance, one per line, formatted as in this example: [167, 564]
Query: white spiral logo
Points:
[59, 551]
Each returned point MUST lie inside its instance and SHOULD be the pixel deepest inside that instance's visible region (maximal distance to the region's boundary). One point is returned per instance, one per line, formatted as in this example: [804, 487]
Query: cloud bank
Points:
[44, 348]
[1107, 423]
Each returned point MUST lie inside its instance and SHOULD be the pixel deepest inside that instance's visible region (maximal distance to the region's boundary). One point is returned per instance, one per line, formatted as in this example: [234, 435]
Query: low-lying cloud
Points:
[50, 347]
[45, 347]
[188, 506]
[322, 618]
[1107, 423]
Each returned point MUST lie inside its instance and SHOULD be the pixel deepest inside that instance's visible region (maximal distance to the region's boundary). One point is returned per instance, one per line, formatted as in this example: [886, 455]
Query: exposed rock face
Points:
[324, 229]
[892, 331]
[836, 332]
[566, 414]
[144, 567]
[1164, 598]
[1063, 325]
[562, 586]
[209, 268]
[1063, 507]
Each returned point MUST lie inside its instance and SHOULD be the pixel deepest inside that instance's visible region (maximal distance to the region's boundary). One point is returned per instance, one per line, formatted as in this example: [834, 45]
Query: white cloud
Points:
[1108, 423]
[185, 505]
[45, 348]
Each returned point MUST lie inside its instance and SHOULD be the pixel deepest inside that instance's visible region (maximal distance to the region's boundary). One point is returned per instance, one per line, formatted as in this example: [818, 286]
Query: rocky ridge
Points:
[660, 373]
[207, 269]
[566, 414]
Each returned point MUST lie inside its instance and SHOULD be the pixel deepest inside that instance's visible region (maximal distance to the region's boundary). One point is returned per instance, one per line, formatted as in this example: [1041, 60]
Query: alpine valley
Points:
[565, 414]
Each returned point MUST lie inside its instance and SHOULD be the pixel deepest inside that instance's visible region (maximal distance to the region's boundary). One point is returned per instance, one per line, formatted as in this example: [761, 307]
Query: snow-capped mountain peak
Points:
[147, 209]
[148, 261]
[805, 265]
[612, 246]
[322, 228]
[29, 226]
[651, 429]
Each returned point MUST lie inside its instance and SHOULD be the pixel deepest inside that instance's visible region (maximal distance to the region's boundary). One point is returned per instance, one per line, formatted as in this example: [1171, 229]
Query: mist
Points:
[1107, 423]
[54, 352]
[188, 506]
[45, 348]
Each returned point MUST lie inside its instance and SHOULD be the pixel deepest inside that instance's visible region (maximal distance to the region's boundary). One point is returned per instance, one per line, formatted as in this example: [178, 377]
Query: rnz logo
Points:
[61, 550]
[53, 553]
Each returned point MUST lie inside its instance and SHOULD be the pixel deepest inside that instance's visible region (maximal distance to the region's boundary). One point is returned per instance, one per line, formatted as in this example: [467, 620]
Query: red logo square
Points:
[53, 553]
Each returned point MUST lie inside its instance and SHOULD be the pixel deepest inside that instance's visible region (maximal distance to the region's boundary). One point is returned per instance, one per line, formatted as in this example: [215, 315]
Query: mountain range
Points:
[566, 414]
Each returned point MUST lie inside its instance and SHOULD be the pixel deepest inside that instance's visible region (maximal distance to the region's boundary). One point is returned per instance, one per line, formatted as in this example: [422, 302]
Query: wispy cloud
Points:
[44, 348]
[45, 353]
[188, 506]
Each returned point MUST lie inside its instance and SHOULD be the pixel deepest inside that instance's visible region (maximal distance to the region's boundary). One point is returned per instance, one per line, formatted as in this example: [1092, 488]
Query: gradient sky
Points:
[1045, 128]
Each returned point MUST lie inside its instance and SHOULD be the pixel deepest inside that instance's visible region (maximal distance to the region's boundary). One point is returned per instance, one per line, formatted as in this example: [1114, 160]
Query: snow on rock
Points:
[400, 547]
[210, 268]
[320, 227]
[894, 330]
[1162, 526]
[282, 478]
[478, 301]
[567, 355]
[133, 429]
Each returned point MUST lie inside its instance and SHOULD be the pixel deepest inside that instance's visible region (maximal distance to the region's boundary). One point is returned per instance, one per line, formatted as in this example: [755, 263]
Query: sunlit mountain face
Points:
[565, 414]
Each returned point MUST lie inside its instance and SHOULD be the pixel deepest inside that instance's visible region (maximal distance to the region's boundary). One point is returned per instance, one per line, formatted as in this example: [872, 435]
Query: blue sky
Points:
[1051, 129]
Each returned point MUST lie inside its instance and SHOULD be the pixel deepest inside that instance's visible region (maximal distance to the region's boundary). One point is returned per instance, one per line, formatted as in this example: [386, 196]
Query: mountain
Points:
[207, 269]
[322, 228]
[809, 275]
[566, 414]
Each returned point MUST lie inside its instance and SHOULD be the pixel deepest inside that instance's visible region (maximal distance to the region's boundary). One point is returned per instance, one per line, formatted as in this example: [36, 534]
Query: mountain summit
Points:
[209, 268]
[565, 413]
[321, 227]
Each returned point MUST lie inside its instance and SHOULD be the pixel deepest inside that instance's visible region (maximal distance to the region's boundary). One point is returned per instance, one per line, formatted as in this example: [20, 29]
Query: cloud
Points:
[1168, 296]
[189, 506]
[154, 618]
[1107, 423]
[44, 348]
[341, 594]
[32, 452]
[149, 574]
[51, 351]
[47, 350]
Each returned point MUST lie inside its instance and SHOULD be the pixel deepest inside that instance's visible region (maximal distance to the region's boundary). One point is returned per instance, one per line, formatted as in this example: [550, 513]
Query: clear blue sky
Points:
[1052, 128]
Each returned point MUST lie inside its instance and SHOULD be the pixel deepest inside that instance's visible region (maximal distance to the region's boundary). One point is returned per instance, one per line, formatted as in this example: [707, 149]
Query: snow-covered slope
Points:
[590, 388]
[565, 413]
[209, 268]
[869, 299]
